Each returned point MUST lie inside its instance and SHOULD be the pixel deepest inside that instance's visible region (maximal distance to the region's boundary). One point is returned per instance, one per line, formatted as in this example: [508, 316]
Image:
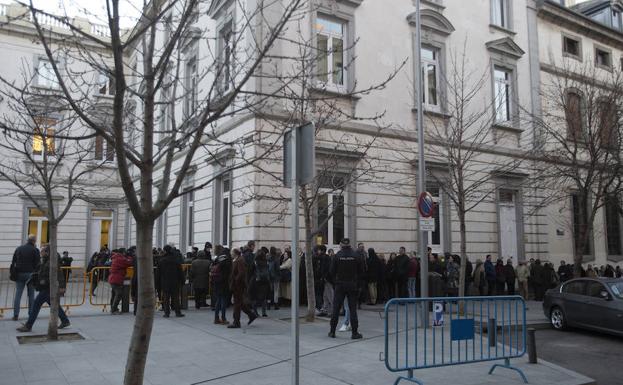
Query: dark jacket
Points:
[170, 272]
[238, 279]
[199, 273]
[373, 267]
[224, 264]
[500, 272]
[42, 276]
[347, 266]
[401, 267]
[509, 273]
[489, 271]
[26, 258]
[118, 269]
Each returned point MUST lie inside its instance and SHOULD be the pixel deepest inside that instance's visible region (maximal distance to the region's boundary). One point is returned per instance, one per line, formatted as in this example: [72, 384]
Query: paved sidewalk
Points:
[192, 350]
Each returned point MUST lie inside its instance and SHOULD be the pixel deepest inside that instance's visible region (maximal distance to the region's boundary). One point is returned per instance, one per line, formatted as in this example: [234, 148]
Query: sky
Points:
[94, 10]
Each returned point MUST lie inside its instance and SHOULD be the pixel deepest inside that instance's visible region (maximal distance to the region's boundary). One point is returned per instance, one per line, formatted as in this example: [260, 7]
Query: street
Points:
[590, 353]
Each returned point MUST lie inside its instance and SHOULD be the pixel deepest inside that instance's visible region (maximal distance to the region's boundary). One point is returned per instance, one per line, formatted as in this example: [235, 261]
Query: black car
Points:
[588, 303]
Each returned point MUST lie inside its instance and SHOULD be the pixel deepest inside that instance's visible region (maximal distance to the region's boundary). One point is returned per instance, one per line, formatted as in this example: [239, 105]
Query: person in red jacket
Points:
[118, 270]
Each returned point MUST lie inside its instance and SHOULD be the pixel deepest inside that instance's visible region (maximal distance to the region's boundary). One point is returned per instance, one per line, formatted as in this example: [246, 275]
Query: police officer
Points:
[346, 270]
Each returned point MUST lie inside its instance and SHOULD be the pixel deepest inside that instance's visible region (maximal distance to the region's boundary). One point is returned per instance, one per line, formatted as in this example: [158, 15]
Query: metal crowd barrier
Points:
[460, 330]
[75, 284]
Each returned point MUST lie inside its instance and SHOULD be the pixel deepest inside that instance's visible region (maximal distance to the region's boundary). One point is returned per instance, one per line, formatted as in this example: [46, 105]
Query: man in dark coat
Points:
[346, 269]
[539, 280]
[510, 276]
[238, 285]
[199, 276]
[171, 278]
[372, 275]
[490, 275]
[25, 261]
[401, 272]
[42, 284]
[249, 255]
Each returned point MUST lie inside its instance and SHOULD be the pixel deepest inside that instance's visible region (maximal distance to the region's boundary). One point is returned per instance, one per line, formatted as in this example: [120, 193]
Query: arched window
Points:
[608, 123]
[573, 115]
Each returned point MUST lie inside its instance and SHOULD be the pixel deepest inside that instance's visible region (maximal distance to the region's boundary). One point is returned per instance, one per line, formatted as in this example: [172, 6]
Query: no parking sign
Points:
[437, 313]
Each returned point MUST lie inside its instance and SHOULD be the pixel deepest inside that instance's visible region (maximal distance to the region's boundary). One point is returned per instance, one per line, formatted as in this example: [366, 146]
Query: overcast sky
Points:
[94, 10]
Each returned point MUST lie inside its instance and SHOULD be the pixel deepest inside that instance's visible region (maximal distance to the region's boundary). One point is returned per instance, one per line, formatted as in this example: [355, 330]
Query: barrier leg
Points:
[507, 365]
[410, 379]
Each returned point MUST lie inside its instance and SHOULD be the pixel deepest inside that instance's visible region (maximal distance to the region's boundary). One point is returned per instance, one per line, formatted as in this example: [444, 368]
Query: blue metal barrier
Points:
[450, 335]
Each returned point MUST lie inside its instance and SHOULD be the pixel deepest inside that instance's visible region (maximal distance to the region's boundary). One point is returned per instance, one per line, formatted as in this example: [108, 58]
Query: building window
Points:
[571, 47]
[101, 228]
[188, 219]
[331, 219]
[603, 58]
[580, 224]
[616, 20]
[106, 84]
[613, 225]
[38, 225]
[503, 93]
[574, 117]
[103, 150]
[43, 138]
[165, 115]
[45, 74]
[226, 53]
[500, 13]
[430, 77]
[190, 99]
[225, 209]
[608, 124]
[330, 38]
[161, 229]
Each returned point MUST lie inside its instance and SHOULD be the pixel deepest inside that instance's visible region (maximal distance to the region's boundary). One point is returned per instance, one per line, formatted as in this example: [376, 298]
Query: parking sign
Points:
[437, 313]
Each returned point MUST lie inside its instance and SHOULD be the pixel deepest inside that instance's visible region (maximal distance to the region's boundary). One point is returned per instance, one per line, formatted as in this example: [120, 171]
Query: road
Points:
[593, 354]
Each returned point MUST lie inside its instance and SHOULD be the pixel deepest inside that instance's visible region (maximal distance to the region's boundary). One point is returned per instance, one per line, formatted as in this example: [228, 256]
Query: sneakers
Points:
[332, 334]
[24, 328]
[252, 318]
[64, 325]
[345, 328]
[356, 336]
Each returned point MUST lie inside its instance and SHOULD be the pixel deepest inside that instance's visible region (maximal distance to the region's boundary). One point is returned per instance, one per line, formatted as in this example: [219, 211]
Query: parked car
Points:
[588, 303]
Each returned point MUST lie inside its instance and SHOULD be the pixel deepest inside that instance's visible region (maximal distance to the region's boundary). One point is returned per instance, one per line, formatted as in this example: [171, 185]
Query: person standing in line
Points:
[401, 273]
[480, 280]
[238, 285]
[259, 283]
[219, 279]
[118, 272]
[490, 275]
[412, 275]
[346, 270]
[273, 264]
[510, 276]
[452, 276]
[317, 262]
[26, 259]
[42, 284]
[523, 274]
[199, 276]
[373, 276]
[538, 280]
[328, 292]
[171, 279]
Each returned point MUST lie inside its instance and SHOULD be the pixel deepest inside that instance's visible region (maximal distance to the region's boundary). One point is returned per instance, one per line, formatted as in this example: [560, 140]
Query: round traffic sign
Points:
[426, 204]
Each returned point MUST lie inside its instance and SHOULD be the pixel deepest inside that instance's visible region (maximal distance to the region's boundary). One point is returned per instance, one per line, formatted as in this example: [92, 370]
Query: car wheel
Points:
[557, 318]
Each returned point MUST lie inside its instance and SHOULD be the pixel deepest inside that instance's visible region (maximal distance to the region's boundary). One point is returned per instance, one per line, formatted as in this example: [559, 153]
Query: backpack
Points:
[215, 273]
[262, 274]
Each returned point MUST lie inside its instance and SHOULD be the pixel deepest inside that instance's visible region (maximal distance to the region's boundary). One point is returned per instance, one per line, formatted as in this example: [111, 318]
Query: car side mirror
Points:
[604, 295]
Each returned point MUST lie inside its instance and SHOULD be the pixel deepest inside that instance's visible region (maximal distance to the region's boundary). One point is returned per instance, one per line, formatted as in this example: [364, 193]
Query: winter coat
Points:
[479, 276]
[522, 272]
[373, 268]
[118, 268]
[489, 271]
[170, 272]
[26, 258]
[509, 273]
[401, 267]
[199, 273]
[452, 274]
[41, 277]
[238, 278]
[224, 264]
[500, 273]
[414, 268]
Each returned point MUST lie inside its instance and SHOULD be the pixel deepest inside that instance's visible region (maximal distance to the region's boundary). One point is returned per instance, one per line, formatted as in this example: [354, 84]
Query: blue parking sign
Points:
[437, 313]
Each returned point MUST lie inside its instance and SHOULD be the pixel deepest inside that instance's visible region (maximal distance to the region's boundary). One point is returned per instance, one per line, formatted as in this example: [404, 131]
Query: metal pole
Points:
[294, 347]
[532, 357]
[421, 180]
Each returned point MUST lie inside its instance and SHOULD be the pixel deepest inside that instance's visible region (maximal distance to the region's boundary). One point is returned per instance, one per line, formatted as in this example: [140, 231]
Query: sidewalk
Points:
[192, 350]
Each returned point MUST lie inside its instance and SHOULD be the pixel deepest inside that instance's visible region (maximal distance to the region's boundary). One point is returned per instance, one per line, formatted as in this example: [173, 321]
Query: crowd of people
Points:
[255, 280]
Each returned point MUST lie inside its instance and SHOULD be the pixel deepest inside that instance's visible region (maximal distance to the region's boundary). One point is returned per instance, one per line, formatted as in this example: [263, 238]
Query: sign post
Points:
[299, 169]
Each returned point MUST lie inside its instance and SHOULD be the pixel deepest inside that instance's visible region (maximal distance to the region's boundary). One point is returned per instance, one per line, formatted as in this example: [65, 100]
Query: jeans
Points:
[241, 305]
[276, 292]
[372, 290]
[412, 284]
[44, 297]
[221, 305]
[345, 293]
[22, 278]
[327, 300]
[346, 321]
[117, 296]
[171, 299]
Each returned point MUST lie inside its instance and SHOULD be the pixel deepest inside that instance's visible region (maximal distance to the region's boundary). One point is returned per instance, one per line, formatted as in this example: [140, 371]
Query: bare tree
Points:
[45, 154]
[580, 153]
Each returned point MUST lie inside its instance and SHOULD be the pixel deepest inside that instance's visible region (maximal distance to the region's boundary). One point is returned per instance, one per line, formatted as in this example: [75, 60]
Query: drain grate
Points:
[42, 338]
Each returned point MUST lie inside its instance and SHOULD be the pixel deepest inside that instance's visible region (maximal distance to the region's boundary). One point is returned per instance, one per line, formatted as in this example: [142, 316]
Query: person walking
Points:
[26, 259]
[41, 280]
[171, 279]
[220, 272]
[490, 275]
[346, 270]
[510, 276]
[238, 284]
[523, 274]
[199, 276]
[118, 272]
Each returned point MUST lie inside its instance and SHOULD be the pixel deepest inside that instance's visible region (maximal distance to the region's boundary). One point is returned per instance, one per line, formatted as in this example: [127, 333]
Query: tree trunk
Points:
[309, 267]
[463, 268]
[54, 299]
[143, 323]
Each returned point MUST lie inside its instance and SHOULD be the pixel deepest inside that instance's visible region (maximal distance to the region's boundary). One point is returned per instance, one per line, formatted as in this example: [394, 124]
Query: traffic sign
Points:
[427, 224]
[437, 313]
[426, 205]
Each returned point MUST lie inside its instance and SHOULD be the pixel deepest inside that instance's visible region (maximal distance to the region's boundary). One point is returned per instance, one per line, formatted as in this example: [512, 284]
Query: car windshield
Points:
[617, 289]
